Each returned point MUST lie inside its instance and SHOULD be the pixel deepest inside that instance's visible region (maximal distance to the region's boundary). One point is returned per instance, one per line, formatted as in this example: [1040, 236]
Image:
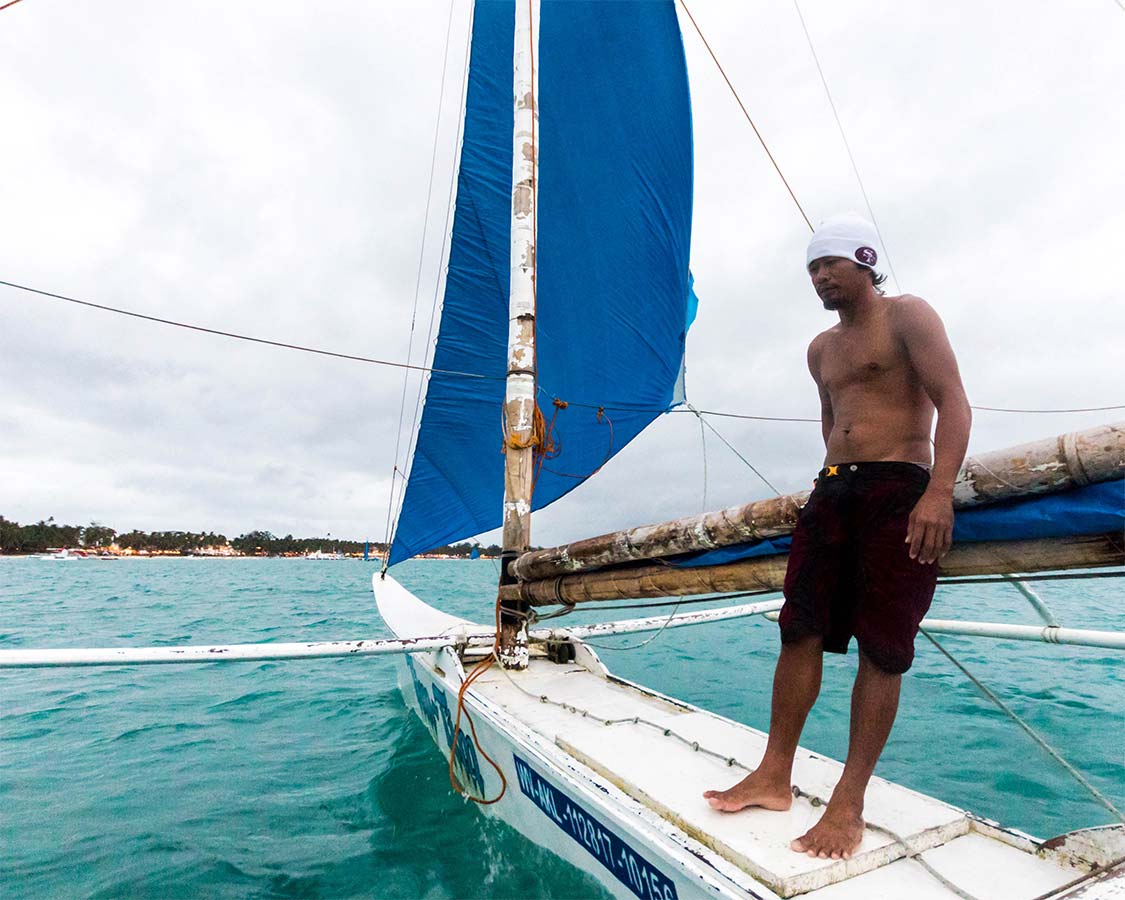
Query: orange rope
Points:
[479, 669]
[609, 451]
[537, 439]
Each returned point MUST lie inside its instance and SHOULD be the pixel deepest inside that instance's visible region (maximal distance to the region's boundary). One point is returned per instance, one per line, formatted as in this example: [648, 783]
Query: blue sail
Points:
[614, 229]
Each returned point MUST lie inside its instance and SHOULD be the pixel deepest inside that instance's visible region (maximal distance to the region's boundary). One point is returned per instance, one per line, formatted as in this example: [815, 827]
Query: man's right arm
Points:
[827, 420]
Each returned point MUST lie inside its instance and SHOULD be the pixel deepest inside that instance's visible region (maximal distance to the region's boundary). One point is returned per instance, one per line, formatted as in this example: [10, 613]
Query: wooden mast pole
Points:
[519, 399]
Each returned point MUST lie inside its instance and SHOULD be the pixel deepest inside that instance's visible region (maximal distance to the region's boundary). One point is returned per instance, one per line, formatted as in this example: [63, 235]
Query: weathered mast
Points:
[519, 400]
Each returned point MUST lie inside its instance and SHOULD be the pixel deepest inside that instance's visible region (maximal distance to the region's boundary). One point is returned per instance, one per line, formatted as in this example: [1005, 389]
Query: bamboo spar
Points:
[1052, 464]
[767, 573]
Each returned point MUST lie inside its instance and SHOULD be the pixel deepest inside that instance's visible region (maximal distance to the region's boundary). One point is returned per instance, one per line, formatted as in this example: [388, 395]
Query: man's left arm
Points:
[930, 533]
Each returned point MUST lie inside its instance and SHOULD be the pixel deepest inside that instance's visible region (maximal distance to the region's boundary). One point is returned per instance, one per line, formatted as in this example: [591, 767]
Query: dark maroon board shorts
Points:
[850, 571]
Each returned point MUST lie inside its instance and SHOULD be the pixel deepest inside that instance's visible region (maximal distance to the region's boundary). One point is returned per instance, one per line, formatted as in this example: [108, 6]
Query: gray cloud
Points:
[264, 168]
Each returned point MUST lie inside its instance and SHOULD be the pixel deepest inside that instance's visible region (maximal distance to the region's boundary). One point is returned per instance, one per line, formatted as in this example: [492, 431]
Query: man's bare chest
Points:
[870, 356]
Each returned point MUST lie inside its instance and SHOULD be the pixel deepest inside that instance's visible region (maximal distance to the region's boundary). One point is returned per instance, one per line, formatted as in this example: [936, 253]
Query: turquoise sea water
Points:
[309, 779]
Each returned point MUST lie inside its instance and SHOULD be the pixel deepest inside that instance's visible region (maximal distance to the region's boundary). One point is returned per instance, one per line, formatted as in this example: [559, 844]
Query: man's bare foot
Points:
[836, 836]
[756, 789]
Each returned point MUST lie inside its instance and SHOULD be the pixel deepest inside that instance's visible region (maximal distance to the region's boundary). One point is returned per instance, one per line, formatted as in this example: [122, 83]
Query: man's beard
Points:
[831, 303]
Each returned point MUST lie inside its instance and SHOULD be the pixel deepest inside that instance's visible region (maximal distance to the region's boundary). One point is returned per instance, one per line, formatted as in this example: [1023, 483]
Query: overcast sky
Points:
[263, 168]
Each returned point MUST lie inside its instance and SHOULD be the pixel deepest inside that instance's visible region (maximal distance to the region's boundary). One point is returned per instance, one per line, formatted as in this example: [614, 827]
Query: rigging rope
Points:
[742, 106]
[847, 146]
[732, 449]
[244, 337]
[703, 446]
[415, 427]
[1031, 732]
[418, 275]
[476, 375]
[646, 641]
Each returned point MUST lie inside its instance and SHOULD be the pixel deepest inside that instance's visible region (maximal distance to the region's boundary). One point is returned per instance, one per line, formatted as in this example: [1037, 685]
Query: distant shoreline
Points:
[48, 537]
[95, 557]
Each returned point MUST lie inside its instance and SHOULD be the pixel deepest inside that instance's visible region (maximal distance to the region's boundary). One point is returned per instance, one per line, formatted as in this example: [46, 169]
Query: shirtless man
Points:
[866, 546]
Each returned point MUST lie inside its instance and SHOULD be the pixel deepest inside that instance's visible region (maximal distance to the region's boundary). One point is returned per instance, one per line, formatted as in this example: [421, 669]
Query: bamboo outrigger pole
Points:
[1052, 464]
[767, 573]
[519, 399]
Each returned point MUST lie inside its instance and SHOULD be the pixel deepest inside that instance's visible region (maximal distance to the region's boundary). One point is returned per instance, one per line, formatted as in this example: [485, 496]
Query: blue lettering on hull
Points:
[627, 866]
[435, 710]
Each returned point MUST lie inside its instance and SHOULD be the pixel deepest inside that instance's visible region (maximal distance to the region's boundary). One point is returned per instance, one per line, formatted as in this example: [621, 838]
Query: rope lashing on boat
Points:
[545, 443]
[555, 445]
[550, 446]
[536, 437]
[1031, 732]
[733, 762]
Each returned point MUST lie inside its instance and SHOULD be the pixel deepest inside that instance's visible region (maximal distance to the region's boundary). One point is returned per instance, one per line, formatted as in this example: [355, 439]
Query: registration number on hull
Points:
[627, 866]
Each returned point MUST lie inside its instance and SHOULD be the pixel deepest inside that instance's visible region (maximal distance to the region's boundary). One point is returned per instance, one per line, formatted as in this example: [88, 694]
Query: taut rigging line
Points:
[401, 365]
[246, 337]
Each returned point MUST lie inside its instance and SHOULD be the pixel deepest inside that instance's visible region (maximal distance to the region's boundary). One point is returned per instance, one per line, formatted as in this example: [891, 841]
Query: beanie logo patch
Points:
[866, 255]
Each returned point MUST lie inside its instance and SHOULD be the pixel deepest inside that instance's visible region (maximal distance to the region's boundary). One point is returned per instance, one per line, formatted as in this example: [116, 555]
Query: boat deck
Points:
[668, 774]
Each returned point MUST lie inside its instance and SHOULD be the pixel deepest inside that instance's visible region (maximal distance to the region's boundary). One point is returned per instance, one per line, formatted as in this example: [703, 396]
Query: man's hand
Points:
[930, 532]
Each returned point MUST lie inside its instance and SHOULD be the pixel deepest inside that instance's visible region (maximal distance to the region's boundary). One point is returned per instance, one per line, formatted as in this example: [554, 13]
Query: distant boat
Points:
[320, 554]
[61, 555]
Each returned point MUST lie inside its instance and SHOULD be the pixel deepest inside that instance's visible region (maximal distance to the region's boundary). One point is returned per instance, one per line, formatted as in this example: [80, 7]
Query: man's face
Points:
[837, 281]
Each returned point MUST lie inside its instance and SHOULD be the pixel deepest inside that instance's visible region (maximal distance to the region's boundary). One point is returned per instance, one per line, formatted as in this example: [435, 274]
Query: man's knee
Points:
[811, 645]
[879, 666]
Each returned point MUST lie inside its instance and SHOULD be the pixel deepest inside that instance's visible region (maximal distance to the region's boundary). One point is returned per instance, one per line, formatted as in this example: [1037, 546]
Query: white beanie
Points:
[848, 236]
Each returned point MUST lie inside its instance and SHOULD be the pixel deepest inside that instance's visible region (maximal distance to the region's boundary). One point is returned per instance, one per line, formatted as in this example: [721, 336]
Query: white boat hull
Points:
[579, 789]
[550, 802]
